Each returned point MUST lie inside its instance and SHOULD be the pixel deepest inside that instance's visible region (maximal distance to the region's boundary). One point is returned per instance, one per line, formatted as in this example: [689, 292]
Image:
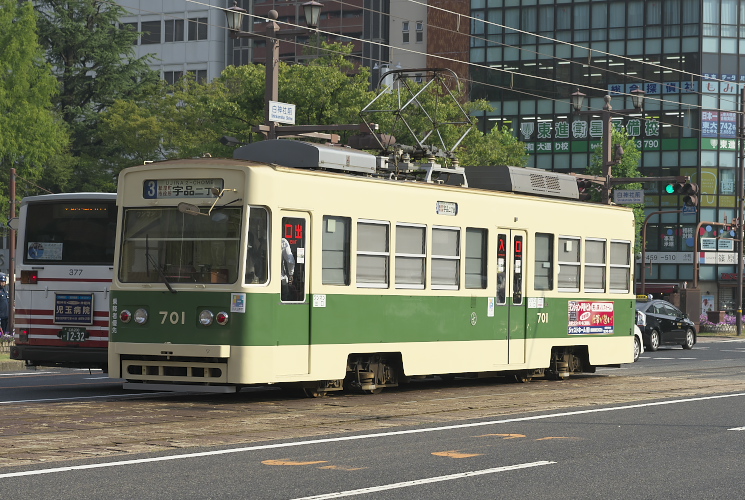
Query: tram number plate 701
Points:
[73, 334]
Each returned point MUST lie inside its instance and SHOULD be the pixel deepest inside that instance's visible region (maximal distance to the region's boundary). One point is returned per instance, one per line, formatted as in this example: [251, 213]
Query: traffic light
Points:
[675, 188]
[690, 194]
[583, 185]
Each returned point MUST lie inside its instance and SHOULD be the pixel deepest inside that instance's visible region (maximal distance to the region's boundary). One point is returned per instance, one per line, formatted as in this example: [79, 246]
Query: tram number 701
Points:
[542, 317]
[174, 317]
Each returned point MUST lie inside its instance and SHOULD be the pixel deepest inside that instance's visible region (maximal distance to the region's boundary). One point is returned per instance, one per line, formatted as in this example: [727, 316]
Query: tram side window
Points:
[544, 262]
[335, 251]
[445, 258]
[594, 265]
[476, 252]
[620, 266]
[256, 255]
[373, 254]
[569, 266]
[411, 251]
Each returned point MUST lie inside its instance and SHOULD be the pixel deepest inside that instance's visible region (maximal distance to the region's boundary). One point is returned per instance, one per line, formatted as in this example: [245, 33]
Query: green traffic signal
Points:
[670, 189]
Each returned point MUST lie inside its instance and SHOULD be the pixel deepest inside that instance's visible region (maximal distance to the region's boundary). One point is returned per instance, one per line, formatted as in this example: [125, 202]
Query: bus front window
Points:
[186, 248]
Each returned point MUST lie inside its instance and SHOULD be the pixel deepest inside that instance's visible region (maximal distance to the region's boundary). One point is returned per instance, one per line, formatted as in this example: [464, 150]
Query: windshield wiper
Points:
[152, 260]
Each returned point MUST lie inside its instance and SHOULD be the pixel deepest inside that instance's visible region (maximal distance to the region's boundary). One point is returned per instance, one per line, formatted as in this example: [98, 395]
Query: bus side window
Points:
[256, 255]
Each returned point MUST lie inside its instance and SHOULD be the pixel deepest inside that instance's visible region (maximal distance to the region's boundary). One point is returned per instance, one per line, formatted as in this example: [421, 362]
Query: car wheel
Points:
[654, 340]
[637, 348]
[690, 339]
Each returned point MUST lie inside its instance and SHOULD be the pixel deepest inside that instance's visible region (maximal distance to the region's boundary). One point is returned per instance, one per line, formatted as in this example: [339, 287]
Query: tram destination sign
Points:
[180, 188]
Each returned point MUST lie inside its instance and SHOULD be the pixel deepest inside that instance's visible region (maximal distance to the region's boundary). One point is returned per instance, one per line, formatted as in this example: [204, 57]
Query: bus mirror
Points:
[188, 208]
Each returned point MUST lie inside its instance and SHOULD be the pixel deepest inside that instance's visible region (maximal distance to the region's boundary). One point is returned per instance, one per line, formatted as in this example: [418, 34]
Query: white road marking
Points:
[15, 374]
[428, 480]
[732, 350]
[737, 429]
[81, 397]
[95, 378]
[294, 444]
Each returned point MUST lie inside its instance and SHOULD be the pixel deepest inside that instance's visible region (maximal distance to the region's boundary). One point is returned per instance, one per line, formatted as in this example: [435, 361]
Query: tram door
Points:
[511, 260]
[293, 331]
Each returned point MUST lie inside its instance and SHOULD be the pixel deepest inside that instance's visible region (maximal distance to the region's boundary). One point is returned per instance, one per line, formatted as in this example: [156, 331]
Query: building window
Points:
[594, 265]
[569, 264]
[445, 258]
[199, 75]
[476, 257]
[132, 27]
[150, 33]
[373, 253]
[197, 28]
[544, 262]
[405, 31]
[172, 77]
[410, 255]
[419, 32]
[335, 250]
[174, 30]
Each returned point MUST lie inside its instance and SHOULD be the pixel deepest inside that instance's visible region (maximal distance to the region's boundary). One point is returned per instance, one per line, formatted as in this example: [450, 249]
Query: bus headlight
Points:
[206, 317]
[222, 318]
[140, 316]
[125, 316]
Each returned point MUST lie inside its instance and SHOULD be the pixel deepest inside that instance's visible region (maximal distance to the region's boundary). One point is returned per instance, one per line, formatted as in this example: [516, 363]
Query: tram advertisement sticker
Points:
[590, 317]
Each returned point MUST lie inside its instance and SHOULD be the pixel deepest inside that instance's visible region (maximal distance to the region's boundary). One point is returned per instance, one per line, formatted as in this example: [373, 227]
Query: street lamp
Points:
[607, 113]
[234, 17]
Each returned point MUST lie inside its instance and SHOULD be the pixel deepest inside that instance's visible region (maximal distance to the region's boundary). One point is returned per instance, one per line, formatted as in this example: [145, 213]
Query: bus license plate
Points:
[73, 334]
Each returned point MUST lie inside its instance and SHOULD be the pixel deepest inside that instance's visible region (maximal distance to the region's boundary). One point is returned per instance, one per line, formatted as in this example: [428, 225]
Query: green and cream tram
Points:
[234, 272]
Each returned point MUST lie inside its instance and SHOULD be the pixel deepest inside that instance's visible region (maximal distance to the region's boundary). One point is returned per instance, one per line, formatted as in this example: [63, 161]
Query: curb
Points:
[12, 365]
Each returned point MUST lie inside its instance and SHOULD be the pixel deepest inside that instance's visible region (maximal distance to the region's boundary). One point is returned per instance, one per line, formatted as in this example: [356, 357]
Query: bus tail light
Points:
[29, 277]
[221, 318]
[125, 316]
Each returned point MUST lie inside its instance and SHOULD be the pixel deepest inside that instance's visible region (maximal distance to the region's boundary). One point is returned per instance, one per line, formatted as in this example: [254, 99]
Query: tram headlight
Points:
[140, 316]
[206, 317]
[125, 316]
[222, 318]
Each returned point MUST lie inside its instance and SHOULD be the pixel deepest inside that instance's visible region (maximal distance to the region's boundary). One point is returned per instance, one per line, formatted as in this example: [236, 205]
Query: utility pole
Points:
[606, 116]
[740, 201]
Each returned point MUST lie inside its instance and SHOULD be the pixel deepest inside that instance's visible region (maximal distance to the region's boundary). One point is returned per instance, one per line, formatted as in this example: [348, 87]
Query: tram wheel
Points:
[523, 377]
[313, 392]
[377, 390]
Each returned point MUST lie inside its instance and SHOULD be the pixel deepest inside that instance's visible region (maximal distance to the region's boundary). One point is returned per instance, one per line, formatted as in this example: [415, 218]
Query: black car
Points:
[662, 323]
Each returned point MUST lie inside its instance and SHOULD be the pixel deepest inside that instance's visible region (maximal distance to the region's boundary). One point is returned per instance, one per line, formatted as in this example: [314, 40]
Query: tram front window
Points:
[164, 244]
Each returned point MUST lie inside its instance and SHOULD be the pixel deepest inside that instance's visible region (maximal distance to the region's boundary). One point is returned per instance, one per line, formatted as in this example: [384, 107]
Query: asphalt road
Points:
[669, 426]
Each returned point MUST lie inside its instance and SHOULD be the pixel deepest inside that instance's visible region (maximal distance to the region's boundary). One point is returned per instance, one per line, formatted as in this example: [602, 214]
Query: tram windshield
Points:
[165, 245]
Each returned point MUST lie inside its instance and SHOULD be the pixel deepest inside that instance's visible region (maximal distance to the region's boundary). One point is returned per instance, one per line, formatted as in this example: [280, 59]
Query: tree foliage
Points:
[95, 64]
[31, 134]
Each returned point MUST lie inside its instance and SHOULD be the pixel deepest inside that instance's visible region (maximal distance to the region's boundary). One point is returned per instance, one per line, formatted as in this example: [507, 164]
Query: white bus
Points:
[64, 266]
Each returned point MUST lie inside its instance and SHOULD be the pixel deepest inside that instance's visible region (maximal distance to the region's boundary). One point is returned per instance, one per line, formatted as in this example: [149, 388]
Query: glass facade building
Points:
[689, 58]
